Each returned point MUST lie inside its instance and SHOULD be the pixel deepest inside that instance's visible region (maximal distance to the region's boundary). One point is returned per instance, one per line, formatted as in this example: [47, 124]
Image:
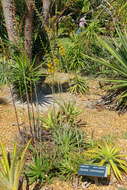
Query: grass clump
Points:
[68, 113]
[51, 120]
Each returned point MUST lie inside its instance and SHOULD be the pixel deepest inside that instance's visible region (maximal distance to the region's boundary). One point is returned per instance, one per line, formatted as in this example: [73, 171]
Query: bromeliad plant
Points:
[106, 154]
[118, 50]
[51, 121]
[68, 113]
[78, 85]
[11, 168]
[39, 170]
[69, 165]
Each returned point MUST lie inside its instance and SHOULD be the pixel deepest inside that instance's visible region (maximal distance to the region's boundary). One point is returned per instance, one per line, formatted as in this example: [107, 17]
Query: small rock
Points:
[85, 185]
[91, 105]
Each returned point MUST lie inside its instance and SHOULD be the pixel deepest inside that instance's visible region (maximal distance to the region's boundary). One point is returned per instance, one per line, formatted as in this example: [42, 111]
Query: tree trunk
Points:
[10, 20]
[46, 8]
[28, 28]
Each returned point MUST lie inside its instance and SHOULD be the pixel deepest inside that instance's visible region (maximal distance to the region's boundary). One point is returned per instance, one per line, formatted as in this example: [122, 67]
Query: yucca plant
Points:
[11, 167]
[118, 51]
[78, 85]
[24, 76]
[106, 154]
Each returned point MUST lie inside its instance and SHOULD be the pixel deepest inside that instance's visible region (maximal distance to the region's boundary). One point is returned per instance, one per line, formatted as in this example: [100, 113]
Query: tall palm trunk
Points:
[10, 20]
[46, 8]
[28, 28]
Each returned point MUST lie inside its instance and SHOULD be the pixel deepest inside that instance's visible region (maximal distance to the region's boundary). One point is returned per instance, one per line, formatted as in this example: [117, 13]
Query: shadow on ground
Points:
[44, 94]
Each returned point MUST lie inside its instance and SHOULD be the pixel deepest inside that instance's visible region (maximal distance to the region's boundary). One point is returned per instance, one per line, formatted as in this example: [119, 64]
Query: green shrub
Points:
[78, 85]
[59, 156]
[106, 154]
[63, 148]
[66, 25]
[66, 114]
[91, 31]
[85, 42]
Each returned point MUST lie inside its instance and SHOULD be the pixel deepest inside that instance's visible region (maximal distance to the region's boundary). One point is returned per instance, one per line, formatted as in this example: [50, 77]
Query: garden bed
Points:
[99, 123]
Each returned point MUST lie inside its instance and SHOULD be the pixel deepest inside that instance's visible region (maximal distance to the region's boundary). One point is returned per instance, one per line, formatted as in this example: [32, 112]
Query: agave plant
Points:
[118, 50]
[106, 154]
[11, 166]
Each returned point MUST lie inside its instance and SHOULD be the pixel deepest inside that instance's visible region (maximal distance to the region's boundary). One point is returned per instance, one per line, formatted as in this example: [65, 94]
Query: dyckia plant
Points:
[106, 154]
